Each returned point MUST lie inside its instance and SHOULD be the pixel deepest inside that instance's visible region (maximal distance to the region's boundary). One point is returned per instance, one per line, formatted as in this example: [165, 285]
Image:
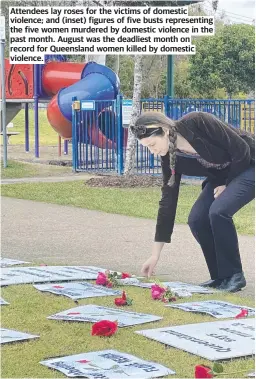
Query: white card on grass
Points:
[94, 313]
[107, 364]
[41, 274]
[75, 290]
[192, 288]
[215, 308]
[9, 335]
[215, 341]
[5, 262]
[3, 302]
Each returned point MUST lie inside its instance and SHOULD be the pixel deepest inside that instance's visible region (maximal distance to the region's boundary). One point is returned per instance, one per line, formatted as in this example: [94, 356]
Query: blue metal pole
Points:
[26, 128]
[2, 43]
[152, 161]
[120, 135]
[166, 106]
[36, 111]
[74, 136]
[66, 147]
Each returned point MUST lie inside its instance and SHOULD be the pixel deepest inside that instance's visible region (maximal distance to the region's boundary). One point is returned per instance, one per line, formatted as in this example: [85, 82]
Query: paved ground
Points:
[49, 233]
[71, 177]
[50, 179]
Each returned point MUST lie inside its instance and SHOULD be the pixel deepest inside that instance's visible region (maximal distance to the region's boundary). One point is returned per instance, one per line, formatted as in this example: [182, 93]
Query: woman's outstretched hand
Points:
[149, 265]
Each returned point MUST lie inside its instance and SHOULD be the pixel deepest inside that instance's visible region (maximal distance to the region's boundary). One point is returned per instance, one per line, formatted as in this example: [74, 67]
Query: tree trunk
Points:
[131, 143]
[116, 64]
[100, 59]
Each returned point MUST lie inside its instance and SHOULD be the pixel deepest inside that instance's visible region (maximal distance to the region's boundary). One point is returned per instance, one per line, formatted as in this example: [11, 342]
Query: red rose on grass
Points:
[124, 300]
[243, 313]
[157, 291]
[101, 279]
[202, 371]
[104, 328]
[125, 275]
[119, 302]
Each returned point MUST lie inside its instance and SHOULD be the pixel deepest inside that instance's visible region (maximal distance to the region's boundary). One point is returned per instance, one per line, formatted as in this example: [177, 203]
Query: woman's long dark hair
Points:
[155, 123]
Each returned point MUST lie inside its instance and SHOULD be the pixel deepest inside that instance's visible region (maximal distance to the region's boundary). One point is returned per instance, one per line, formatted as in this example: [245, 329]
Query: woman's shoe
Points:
[213, 283]
[233, 284]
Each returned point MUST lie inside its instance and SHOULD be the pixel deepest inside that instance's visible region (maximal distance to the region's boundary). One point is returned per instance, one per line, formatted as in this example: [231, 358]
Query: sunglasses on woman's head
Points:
[143, 131]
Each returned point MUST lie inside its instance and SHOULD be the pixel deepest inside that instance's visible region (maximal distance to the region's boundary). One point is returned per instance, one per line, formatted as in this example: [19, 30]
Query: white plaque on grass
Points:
[128, 282]
[107, 364]
[94, 313]
[211, 340]
[21, 275]
[4, 262]
[3, 302]
[218, 309]
[181, 286]
[8, 335]
[77, 290]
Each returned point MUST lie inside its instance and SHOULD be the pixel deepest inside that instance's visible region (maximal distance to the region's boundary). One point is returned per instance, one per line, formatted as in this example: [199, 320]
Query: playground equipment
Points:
[57, 82]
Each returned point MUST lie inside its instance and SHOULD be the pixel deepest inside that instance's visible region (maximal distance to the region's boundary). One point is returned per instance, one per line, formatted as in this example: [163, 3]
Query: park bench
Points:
[9, 134]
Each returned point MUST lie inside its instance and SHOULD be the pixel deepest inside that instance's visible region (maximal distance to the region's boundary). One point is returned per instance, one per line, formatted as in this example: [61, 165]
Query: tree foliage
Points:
[224, 63]
[226, 60]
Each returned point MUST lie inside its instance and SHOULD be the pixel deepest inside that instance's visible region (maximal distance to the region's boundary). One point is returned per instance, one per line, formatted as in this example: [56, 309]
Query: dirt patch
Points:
[60, 163]
[141, 181]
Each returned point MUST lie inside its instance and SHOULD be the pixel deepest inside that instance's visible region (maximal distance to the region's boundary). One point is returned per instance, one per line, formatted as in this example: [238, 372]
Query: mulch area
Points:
[60, 163]
[141, 181]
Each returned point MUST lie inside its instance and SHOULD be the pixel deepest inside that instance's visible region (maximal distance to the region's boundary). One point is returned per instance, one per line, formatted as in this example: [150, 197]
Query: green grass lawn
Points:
[130, 202]
[47, 134]
[29, 308]
[17, 169]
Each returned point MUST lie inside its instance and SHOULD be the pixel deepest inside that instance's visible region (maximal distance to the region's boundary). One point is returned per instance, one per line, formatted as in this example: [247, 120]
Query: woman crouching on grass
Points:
[199, 144]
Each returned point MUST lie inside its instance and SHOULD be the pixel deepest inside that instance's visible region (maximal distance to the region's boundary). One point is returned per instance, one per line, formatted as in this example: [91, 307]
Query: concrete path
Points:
[49, 179]
[73, 177]
[57, 234]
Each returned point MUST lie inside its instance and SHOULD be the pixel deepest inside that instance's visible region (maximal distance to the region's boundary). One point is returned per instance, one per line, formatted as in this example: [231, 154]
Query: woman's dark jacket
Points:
[216, 142]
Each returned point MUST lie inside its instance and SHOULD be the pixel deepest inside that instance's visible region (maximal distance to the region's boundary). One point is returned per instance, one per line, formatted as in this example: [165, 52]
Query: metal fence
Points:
[95, 135]
[238, 113]
[99, 139]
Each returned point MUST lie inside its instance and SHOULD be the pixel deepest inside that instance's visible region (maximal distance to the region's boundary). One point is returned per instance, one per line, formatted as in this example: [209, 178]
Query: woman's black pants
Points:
[211, 223]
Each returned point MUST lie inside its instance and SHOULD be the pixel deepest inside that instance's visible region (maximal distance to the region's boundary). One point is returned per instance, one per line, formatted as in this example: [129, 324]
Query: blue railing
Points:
[99, 138]
[95, 136]
[238, 113]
